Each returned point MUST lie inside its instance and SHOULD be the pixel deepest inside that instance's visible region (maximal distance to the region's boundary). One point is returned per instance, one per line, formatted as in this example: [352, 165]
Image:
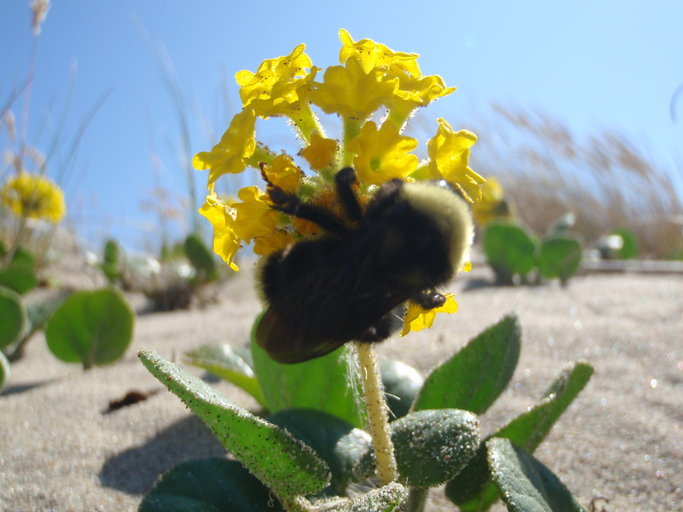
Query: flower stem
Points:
[351, 131]
[378, 419]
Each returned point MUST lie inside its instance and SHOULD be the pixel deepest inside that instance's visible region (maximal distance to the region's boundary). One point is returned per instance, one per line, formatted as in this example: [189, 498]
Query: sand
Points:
[621, 439]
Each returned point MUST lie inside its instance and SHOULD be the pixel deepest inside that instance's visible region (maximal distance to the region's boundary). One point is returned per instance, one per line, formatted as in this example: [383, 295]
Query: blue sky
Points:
[591, 63]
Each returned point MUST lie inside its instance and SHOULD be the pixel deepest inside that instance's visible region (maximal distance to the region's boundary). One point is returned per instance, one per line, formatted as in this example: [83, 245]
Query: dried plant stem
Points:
[378, 419]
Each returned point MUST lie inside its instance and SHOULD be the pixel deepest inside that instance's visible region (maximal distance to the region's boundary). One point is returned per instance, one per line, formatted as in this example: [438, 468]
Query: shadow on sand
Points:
[136, 470]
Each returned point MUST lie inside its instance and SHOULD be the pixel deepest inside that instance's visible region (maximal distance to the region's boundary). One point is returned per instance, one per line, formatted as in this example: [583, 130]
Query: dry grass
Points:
[605, 178]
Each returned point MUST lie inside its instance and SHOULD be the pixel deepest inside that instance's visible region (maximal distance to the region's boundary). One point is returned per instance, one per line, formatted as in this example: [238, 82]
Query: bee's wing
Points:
[287, 342]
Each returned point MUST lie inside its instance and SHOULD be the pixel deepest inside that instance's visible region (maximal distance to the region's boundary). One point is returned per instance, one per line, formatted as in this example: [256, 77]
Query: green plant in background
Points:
[112, 264]
[183, 274]
[621, 244]
[513, 254]
[91, 328]
[311, 447]
[516, 255]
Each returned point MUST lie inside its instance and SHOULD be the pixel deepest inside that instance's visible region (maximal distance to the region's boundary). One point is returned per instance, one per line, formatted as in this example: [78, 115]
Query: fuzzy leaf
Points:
[209, 485]
[225, 362]
[335, 441]
[385, 499]
[91, 328]
[12, 316]
[474, 377]
[472, 490]
[402, 383]
[321, 383]
[280, 461]
[431, 446]
[524, 483]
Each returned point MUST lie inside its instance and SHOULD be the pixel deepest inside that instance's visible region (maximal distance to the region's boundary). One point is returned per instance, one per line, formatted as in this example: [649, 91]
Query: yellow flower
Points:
[373, 55]
[449, 154]
[254, 216]
[493, 205]
[320, 153]
[413, 91]
[225, 241]
[278, 239]
[416, 92]
[237, 143]
[351, 92]
[34, 196]
[417, 318]
[382, 154]
[283, 173]
[278, 85]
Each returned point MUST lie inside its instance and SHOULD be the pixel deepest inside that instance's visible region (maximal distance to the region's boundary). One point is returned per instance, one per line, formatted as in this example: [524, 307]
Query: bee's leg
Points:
[345, 181]
[385, 327]
[292, 205]
[429, 299]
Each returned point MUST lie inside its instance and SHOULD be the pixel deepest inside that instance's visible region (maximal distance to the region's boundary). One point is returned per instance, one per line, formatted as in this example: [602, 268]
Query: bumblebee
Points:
[410, 239]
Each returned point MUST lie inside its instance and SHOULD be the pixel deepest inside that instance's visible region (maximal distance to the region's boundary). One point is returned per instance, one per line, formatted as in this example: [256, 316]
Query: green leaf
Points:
[530, 428]
[559, 257]
[20, 274]
[111, 261]
[474, 377]
[402, 383]
[223, 361]
[335, 441]
[430, 446]
[12, 316]
[629, 247]
[39, 311]
[280, 461]
[91, 328]
[112, 253]
[201, 258]
[525, 484]
[385, 499]
[322, 383]
[509, 250]
[209, 485]
[5, 371]
[472, 490]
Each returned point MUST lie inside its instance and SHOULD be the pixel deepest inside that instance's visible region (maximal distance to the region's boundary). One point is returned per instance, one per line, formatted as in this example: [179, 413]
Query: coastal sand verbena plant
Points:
[374, 92]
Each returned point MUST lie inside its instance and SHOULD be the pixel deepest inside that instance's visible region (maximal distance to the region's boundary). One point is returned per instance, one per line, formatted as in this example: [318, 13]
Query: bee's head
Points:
[445, 213]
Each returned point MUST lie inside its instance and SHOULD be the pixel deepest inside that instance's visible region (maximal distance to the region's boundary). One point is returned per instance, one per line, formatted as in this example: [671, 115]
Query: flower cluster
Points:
[33, 196]
[371, 81]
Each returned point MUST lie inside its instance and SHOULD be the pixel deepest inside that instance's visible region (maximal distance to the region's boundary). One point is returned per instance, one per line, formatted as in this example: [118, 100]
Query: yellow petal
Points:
[417, 318]
[382, 154]
[349, 91]
[278, 85]
[237, 143]
[283, 173]
[225, 242]
[320, 153]
[449, 154]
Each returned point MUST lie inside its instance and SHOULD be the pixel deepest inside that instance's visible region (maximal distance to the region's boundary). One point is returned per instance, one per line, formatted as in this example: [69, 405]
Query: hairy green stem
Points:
[378, 418]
